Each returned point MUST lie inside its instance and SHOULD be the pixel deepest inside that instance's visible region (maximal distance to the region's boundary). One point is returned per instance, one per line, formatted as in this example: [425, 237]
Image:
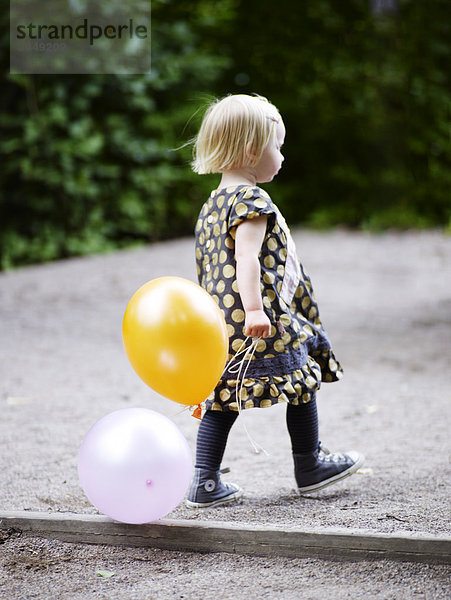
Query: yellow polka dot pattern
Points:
[291, 327]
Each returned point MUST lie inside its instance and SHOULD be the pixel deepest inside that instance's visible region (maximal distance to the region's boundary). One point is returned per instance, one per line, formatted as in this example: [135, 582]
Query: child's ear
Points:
[250, 151]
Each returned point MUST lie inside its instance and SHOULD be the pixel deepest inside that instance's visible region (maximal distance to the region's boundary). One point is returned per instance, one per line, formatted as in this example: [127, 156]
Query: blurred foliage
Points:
[91, 163]
[367, 103]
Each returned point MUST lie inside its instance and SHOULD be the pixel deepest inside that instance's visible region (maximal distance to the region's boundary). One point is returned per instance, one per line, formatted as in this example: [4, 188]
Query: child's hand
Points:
[257, 324]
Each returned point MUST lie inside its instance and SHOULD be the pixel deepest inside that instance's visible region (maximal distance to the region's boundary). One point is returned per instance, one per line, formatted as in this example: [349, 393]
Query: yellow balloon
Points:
[175, 337]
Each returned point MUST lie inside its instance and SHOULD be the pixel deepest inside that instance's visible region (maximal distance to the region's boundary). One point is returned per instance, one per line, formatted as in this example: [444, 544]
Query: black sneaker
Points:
[207, 489]
[316, 470]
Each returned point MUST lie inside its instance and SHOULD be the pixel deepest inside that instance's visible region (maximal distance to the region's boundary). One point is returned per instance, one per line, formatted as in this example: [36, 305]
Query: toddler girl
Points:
[246, 259]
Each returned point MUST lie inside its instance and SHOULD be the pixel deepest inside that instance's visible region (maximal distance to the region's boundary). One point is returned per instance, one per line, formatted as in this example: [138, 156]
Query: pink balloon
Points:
[135, 465]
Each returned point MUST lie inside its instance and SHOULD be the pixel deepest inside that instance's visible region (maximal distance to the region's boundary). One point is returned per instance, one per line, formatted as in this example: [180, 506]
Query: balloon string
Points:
[240, 351]
[182, 410]
[237, 368]
[232, 369]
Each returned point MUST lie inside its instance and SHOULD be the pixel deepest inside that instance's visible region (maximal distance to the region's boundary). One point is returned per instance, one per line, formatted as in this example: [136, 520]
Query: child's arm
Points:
[248, 242]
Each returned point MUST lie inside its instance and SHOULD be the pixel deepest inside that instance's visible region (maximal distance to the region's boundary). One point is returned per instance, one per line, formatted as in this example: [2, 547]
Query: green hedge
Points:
[367, 103]
[90, 163]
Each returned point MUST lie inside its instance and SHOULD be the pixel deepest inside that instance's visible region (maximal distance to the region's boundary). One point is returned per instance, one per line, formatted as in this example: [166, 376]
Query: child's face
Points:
[271, 160]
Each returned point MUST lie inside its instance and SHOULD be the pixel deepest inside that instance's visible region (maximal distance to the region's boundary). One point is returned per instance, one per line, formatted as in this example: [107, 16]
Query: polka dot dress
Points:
[290, 365]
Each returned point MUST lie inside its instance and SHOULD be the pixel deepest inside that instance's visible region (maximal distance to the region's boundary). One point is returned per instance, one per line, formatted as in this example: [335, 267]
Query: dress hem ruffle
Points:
[296, 387]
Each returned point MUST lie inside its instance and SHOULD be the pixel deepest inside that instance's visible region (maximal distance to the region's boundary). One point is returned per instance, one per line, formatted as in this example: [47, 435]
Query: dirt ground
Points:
[61, 571]
[386, 303]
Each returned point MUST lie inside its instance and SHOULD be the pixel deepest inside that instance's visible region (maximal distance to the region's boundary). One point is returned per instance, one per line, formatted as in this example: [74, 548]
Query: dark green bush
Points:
[367, 103]
[89, 162]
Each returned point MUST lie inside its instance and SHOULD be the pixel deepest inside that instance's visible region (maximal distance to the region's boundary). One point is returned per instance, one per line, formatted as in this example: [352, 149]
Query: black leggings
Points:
[302, 425]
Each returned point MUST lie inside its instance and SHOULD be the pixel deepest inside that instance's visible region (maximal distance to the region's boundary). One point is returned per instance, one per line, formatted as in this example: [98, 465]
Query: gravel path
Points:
[386, 303]
[61, 571]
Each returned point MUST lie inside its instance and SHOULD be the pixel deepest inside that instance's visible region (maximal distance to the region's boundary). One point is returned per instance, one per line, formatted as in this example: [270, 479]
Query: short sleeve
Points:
[250, 203]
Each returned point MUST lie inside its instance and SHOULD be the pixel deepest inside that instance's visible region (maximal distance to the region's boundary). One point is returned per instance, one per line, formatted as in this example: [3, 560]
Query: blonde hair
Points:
[234, 132]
